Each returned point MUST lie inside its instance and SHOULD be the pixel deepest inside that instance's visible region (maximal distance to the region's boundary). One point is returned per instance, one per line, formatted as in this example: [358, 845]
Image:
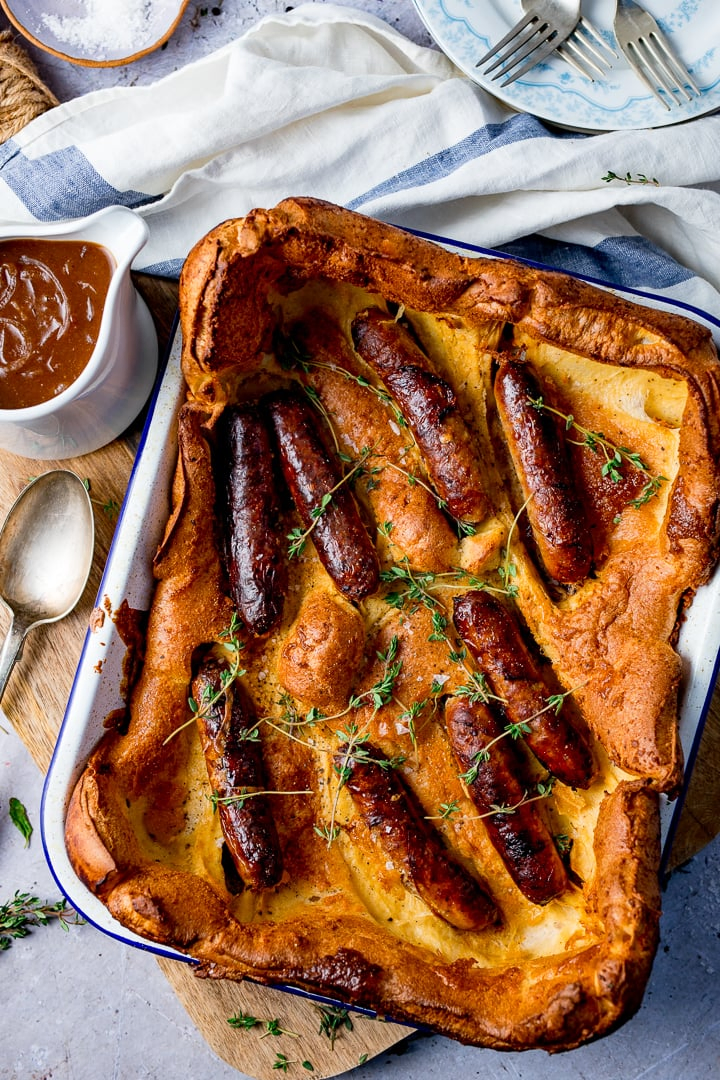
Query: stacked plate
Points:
[466, 29]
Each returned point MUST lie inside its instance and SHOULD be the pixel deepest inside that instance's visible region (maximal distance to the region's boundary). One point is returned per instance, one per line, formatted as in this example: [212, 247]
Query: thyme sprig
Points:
[420, 586]
[543, 790]
[283, 1062]
[553, 702]
[616, 457]
[246, 1022]
[19, 915]
[245, 793]
[419, 590]
[465, 528]
[353, 739]
[228, 639]
[628, 178]
[294, 356]
[298, 535]
[333, 1018]
[110, 508]
[377, 695]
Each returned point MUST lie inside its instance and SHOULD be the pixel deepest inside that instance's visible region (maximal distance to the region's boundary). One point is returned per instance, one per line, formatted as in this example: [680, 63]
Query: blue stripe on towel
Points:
[62, 184]
[627, 261]
[482, 141]
[170, 268]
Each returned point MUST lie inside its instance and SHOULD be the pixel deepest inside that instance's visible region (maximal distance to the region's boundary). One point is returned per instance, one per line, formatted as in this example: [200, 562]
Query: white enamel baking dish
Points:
[128, 577]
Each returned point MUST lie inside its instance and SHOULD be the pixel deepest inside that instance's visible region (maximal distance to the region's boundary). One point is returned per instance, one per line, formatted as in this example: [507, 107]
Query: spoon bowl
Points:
[46, 552]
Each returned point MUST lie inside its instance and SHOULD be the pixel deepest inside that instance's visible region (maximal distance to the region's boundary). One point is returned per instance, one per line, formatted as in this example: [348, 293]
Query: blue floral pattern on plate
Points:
[465, 29]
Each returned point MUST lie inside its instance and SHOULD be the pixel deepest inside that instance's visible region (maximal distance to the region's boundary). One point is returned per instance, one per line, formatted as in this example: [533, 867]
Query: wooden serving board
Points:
[35, 702]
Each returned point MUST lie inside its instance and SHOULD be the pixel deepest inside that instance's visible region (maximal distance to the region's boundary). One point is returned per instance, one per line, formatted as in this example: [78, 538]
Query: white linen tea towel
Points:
[331, 102]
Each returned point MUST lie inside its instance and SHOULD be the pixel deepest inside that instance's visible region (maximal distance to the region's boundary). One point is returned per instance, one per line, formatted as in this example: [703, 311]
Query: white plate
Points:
[466, 29]
[128, 577]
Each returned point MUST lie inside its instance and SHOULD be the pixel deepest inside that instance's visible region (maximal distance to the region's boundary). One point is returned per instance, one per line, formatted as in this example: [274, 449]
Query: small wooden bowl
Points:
[54, 27]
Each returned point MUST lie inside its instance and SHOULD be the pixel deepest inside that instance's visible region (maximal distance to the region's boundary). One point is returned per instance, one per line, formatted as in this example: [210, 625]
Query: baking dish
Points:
[128, 581]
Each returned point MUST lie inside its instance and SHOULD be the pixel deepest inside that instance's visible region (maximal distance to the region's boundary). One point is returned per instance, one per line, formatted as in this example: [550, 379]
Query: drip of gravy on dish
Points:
[52, 295]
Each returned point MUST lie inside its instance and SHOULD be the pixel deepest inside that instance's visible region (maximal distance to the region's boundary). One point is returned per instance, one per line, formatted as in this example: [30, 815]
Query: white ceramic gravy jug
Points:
[115, 383]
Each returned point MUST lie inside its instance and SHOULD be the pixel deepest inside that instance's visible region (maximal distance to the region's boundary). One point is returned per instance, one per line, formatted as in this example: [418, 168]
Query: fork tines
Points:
[529, 42]
[649, 55]
[657, 67]
[587, 51]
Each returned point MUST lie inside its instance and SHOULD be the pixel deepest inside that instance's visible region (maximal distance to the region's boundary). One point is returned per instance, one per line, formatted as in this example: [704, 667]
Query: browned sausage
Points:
[430, 407]
[520, 837]
[341, 540]
[554, 509]
[250, 506]
[493, 636]
[233, 756]
[390, 811]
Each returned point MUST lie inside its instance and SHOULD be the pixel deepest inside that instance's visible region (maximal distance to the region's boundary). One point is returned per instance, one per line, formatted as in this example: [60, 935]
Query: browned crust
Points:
[614, 647]
[553, 1003]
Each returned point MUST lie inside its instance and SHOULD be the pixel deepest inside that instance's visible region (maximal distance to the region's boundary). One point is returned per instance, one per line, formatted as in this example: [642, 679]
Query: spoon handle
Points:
[12, 647]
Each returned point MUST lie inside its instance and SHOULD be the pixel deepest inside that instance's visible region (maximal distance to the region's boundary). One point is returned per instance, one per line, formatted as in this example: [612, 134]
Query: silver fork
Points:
[586, 50]
[544, 26]
[647, 52]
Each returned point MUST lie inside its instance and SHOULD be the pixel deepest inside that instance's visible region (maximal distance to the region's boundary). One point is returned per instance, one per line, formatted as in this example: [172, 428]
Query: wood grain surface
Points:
[35, 701]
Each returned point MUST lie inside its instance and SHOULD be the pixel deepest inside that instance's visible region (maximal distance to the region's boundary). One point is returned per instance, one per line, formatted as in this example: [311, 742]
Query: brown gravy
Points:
[52, 295]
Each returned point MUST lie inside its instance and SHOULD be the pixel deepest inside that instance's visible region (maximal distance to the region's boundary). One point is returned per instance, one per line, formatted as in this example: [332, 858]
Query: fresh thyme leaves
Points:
[543, 790]
[563, 843]
[475, 689]
[419, 590]
[416, 585]
[648, 492]
[465, 528]
[24, 911]
[227, 639]
[616, 457]
[292, 355]
[316, 400]
[353, 750]
[242, 796]
[553, 703]
[272, 1027]
[20, 819]
[329, 833]
[381, 692]
[110, 508]
[628, 178]
[514, 731]
[353, 739]
[333, 1019]
[298, 536]
[377, 695]
[420, 586]
[283, 1062]
[243, 1020]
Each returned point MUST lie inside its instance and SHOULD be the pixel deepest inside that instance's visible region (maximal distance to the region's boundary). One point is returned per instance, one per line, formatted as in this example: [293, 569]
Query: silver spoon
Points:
[46, 551]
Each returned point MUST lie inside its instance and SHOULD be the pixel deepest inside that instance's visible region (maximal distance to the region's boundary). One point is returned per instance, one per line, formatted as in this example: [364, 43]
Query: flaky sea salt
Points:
[119, 27]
